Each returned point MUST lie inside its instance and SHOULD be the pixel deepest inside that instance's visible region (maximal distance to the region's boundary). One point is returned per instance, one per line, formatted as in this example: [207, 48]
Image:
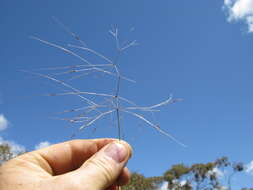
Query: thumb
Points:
[103, 168]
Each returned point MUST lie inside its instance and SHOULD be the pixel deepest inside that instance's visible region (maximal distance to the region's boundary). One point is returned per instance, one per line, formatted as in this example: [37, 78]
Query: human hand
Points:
[97, 164]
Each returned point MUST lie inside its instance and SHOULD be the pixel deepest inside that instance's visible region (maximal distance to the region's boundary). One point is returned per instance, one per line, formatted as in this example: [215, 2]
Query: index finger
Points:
[67, 156]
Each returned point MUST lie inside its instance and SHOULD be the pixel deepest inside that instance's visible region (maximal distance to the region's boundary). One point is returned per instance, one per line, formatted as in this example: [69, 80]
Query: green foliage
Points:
[139, 182]
[200, 176]
[176, 172]
[5, 153]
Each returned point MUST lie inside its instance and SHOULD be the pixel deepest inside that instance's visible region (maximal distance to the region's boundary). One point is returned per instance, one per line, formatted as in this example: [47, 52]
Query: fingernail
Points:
[117, 152]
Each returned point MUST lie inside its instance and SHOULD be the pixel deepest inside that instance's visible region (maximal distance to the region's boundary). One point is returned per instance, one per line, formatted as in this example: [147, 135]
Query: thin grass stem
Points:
[69, 31]
[92, 51]
[96, 118]
[155, 127]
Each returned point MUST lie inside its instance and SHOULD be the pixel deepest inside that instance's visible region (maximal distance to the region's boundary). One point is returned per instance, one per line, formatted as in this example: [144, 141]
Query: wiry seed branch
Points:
[94, 110]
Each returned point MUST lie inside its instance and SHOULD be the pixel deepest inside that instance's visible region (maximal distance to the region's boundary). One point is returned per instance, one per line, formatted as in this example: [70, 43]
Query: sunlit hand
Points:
[97, 164]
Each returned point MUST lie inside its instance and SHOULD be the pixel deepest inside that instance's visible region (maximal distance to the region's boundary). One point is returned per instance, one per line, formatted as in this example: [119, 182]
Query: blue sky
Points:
[200, 51]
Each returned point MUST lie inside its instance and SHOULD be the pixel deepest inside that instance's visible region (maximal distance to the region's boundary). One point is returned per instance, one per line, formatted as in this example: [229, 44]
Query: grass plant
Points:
[93, 108]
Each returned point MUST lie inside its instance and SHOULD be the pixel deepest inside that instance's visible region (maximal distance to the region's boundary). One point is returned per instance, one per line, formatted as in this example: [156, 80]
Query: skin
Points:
[97, 164]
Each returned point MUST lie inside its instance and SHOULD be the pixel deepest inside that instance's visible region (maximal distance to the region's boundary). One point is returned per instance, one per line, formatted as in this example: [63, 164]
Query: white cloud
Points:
[223, 188]
[218, 172]
[182, 183]
[249, 168]
[164, 186]
[3, 122]
[240, 10]
[43, 144]
[15, 148]
[228, 2]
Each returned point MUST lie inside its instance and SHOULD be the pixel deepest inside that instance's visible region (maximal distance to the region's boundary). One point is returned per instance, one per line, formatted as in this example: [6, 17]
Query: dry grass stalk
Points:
[94, 110]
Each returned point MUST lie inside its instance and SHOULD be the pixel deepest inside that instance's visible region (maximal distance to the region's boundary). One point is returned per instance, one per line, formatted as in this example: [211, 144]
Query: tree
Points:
[201, 176]
[139, 182]
[5, 153]
[216, 175]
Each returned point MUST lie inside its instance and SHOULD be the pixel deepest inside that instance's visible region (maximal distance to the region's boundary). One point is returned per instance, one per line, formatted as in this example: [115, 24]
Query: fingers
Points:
[113, 187]
[103, 169]
[85, 164]
[67, 156]
[124, 177]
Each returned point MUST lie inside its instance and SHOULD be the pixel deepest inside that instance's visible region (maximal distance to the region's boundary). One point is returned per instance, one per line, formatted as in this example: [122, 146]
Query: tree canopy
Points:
[5, 153]
[199, 176]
